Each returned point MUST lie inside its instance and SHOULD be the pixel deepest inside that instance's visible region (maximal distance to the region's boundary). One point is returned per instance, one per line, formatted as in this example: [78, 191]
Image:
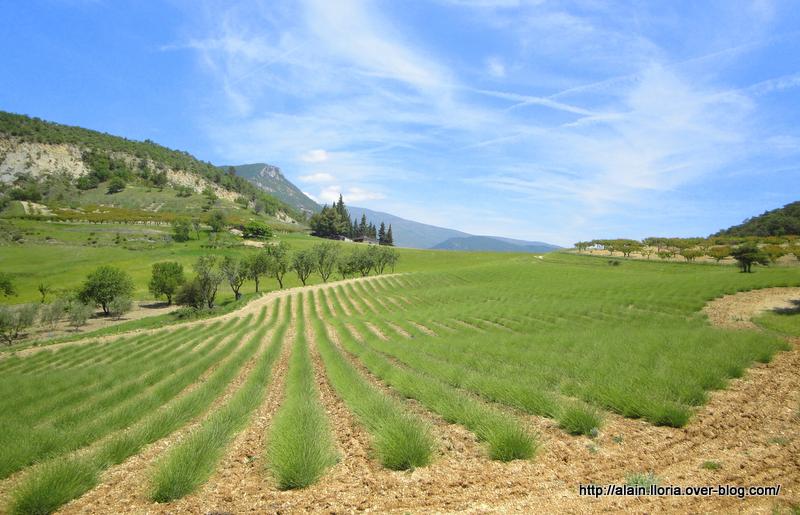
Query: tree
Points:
[382, 234]
[690, 254]
[303, 263]
[105, 283]
[389, 237]
[665, 254]
[44, 289]
[208, 278]
[326, 256]
[363, 261]
[235, 272]
[119, 306]
[181, 228]
[257, 230]
[278, 261]
[383, 257]
[346, 265]
[217, 221]
[78, 313]
[7, 288]
[257, 266]
[166, 278]
[196, 226]
[719, 252]
[116, 185]
[15, 319]
[747, 255]
[52, 313]
[190, 294]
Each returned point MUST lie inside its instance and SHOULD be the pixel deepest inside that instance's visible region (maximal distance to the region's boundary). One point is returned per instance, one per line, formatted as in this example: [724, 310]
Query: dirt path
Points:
[736, 311]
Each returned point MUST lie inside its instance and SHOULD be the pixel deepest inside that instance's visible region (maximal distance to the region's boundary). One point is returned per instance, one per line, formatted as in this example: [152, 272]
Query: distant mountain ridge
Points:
[270, 179]
[495, 244]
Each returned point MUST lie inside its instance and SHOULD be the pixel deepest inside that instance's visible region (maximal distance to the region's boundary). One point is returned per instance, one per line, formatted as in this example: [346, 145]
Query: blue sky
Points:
[545, 120]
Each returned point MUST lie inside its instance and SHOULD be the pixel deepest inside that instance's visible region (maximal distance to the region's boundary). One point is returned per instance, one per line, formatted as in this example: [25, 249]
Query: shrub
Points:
[14, 320]
[190, 294]
[116, 185]
[119, 306]
[580, 419]
[78, 313]
[53, 312]
[181, 229]
[257, 230]
[6, 285]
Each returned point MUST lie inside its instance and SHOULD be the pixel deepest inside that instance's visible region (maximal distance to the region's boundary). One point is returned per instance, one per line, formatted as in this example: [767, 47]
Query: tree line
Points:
[335, 222]
[746, 250]
[111, 288]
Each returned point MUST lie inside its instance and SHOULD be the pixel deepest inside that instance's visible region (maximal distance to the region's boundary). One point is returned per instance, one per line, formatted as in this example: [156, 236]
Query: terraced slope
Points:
[412, 392]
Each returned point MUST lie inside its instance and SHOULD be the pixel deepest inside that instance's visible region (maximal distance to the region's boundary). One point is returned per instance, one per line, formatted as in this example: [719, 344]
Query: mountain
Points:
[778, 222]
[69, 169]
[494, 244]
[407, 233]
[270, 179]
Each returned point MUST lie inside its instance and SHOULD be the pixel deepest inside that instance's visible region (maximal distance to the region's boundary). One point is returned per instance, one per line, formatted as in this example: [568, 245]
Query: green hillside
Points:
[144, 163]
[777, 222]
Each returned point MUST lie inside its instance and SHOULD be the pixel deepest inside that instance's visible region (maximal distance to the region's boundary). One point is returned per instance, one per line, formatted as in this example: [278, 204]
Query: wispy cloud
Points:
[576, 107]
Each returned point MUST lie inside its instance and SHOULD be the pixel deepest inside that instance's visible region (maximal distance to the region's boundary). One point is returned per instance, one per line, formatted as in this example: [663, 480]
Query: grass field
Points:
[486, 343]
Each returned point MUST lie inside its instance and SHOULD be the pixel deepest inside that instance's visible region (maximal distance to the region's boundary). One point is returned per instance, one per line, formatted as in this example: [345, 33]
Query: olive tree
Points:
[120, 305]
[326, 256]
[278, 261]
[208, 278]
[104, 284]
[235, 272]
[257, 266]
[14, 320]
[166, 278]
[747, 255]
[303, 263]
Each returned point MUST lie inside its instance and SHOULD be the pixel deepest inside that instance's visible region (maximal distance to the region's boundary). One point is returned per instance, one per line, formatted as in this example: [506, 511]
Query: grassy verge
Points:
[300, 446]
[400, 440]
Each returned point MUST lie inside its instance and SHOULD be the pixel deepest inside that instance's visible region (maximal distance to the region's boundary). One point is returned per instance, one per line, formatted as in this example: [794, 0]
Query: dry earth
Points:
[751, 429]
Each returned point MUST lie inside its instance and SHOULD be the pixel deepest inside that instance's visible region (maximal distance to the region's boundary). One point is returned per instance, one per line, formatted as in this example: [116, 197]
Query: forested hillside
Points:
[777, 222]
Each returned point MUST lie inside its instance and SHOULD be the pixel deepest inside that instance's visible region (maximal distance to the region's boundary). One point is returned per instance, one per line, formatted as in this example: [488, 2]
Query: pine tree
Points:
[362, 229]
[389, 237]
[382, 234]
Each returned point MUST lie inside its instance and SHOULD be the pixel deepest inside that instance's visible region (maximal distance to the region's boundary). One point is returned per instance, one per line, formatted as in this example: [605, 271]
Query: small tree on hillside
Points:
[14, 320]
[747, 255]
[278, 261]
[346, 265]
[235, 272]
[116, 185]
[119, 306]
[217, 221]
[105, 283]
[303, 263]
[44, 290]
[166, 278]
[690, 254]
[326, 256]
[52, 313]
[181, 229]
[78, 313]
[6, 285]
[720, 252]
[208, 278]
[257, 230]
[257, 266]
[363, 261]
[384, 257]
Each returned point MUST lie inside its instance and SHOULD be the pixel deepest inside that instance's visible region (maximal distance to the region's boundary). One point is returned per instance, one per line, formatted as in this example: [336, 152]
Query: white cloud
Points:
[319, 177]
[350, 195]
[495, 67]
[315, 156]
[312, 197]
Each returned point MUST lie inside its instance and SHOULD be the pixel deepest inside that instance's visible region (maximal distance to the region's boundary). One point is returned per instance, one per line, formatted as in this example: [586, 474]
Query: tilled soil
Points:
[751, 430]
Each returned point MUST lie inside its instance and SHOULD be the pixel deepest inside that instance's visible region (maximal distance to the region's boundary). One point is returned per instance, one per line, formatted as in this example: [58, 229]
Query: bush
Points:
[119, 306]
[52, 313]
[78, 314]
[181, 228]
[190, 294]
[14, 320]
[257, 230]
[116, 185]
[6, 286]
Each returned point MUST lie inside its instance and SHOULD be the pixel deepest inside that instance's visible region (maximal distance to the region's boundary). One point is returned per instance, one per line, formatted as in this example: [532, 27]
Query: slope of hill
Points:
[270, 179]
[407, 233]
[494, 244]
[70, 168]
[777, 222]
